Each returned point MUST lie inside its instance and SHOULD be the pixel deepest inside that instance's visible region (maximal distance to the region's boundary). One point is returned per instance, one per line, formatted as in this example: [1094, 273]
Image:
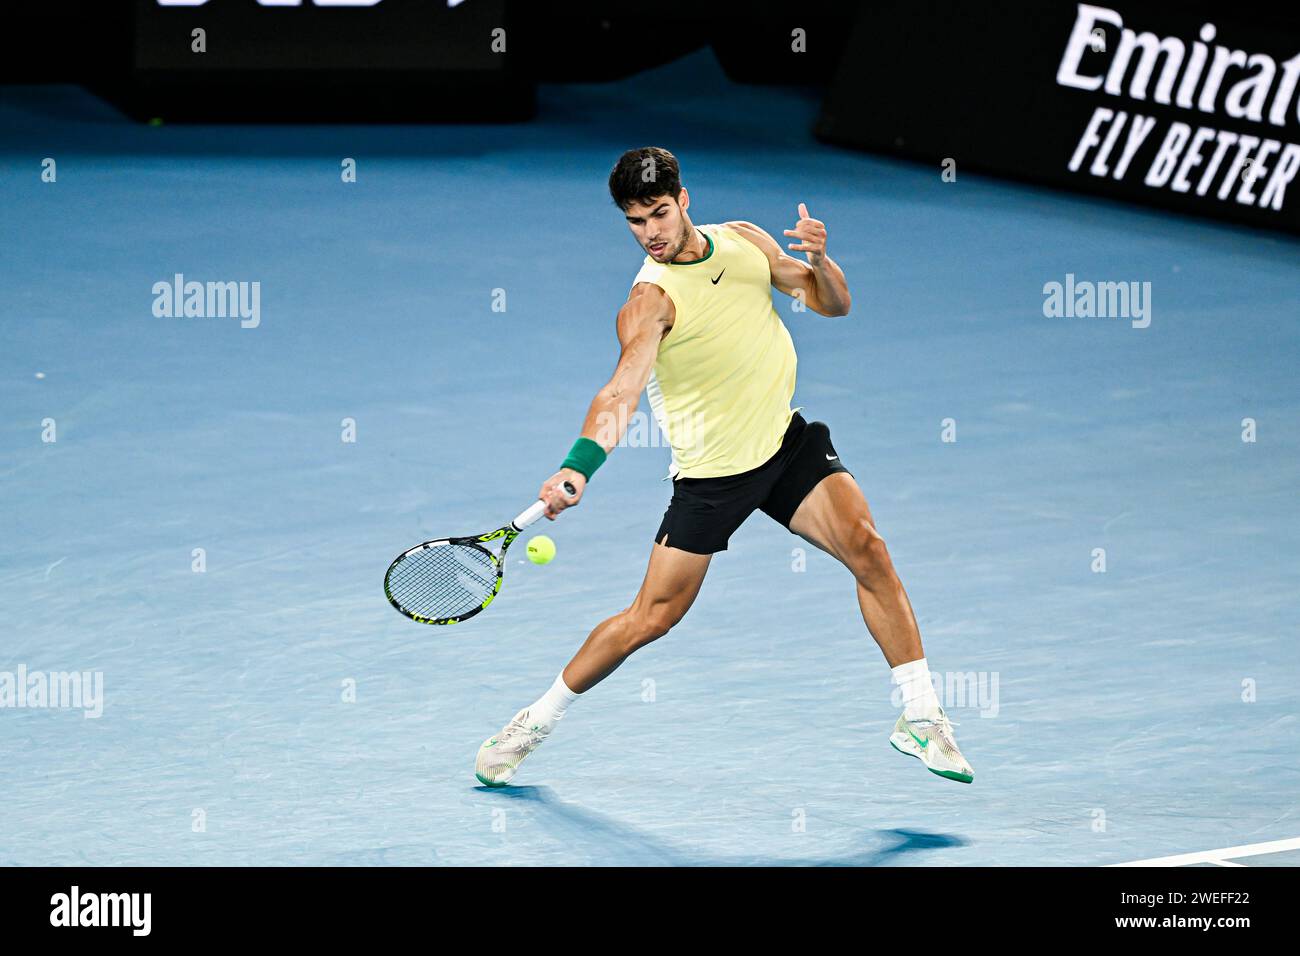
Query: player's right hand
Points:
[553, 493]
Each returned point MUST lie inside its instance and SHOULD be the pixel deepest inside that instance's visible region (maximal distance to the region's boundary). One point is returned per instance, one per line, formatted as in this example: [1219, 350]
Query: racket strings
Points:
[460, 583]
[446, 581]
[448, 585]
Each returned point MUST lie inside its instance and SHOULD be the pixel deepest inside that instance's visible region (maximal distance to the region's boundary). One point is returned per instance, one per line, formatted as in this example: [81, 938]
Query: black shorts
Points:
[704, 512]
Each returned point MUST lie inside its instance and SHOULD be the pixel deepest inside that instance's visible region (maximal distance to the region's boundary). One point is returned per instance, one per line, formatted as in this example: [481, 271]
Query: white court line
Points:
[1219, 856]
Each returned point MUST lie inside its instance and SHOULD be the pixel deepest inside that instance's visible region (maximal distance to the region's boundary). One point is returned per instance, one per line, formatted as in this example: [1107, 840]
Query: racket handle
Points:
[538, 508]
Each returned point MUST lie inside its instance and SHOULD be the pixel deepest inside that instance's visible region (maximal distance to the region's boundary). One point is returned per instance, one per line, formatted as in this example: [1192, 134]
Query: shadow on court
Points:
[613, 843]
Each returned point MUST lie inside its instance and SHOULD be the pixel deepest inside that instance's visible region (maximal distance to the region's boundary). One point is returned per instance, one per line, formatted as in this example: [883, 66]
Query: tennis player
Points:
[700, 335]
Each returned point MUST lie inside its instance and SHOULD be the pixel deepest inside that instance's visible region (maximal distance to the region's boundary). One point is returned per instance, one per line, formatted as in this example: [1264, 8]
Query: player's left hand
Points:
[812, 232]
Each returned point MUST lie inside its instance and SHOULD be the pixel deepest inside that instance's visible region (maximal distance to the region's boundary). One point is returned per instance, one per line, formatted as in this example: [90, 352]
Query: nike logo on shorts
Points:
[831, 457]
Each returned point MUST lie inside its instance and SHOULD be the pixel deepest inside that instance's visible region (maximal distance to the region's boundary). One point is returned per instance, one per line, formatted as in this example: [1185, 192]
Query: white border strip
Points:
[1218, 857]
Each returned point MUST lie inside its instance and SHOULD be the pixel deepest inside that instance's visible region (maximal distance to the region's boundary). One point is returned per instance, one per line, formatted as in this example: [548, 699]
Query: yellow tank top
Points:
[724, 376]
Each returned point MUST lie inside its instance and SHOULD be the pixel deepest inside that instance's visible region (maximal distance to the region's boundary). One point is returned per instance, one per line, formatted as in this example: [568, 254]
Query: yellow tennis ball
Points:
[541, 549]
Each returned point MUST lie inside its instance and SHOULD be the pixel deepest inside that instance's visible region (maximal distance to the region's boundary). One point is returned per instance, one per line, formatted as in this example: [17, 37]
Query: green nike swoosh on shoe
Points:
[500, 755]
[945, 759]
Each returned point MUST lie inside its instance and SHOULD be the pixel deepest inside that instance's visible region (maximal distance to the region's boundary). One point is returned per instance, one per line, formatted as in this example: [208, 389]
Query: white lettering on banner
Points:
[1067, 74]
[1244, 98]
[1142, 66]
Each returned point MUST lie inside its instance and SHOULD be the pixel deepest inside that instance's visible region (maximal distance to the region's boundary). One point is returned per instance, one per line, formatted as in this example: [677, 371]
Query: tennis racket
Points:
[449, 580]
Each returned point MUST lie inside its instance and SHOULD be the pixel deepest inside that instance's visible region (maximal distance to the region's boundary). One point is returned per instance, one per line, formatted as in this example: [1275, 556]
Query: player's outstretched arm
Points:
[642, 322]
[819, 281]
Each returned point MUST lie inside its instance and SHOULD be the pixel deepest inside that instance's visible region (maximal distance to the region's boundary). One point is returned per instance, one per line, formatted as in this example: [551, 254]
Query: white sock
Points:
[919, 699]
[550, 707]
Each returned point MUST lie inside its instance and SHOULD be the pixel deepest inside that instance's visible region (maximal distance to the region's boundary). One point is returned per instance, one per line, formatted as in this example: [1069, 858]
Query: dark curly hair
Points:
[644, 174]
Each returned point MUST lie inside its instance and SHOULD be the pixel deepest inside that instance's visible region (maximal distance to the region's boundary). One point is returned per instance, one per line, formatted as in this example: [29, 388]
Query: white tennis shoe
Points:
[931, 741]
[500, 756]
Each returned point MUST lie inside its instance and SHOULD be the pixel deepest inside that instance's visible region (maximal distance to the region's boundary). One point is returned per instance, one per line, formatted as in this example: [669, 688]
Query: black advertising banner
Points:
[294, 60]
[1190, 106]
[319, 35]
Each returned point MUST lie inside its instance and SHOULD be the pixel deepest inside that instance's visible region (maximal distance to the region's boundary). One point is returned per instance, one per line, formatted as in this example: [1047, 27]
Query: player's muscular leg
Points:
[671, 582]
[835, 518]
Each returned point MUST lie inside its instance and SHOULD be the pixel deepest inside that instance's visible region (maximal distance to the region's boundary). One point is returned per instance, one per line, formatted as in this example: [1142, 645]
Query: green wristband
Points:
[585, 457]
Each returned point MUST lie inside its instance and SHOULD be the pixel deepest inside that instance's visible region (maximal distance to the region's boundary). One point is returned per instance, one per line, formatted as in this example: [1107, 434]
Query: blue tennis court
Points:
[198, 511]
